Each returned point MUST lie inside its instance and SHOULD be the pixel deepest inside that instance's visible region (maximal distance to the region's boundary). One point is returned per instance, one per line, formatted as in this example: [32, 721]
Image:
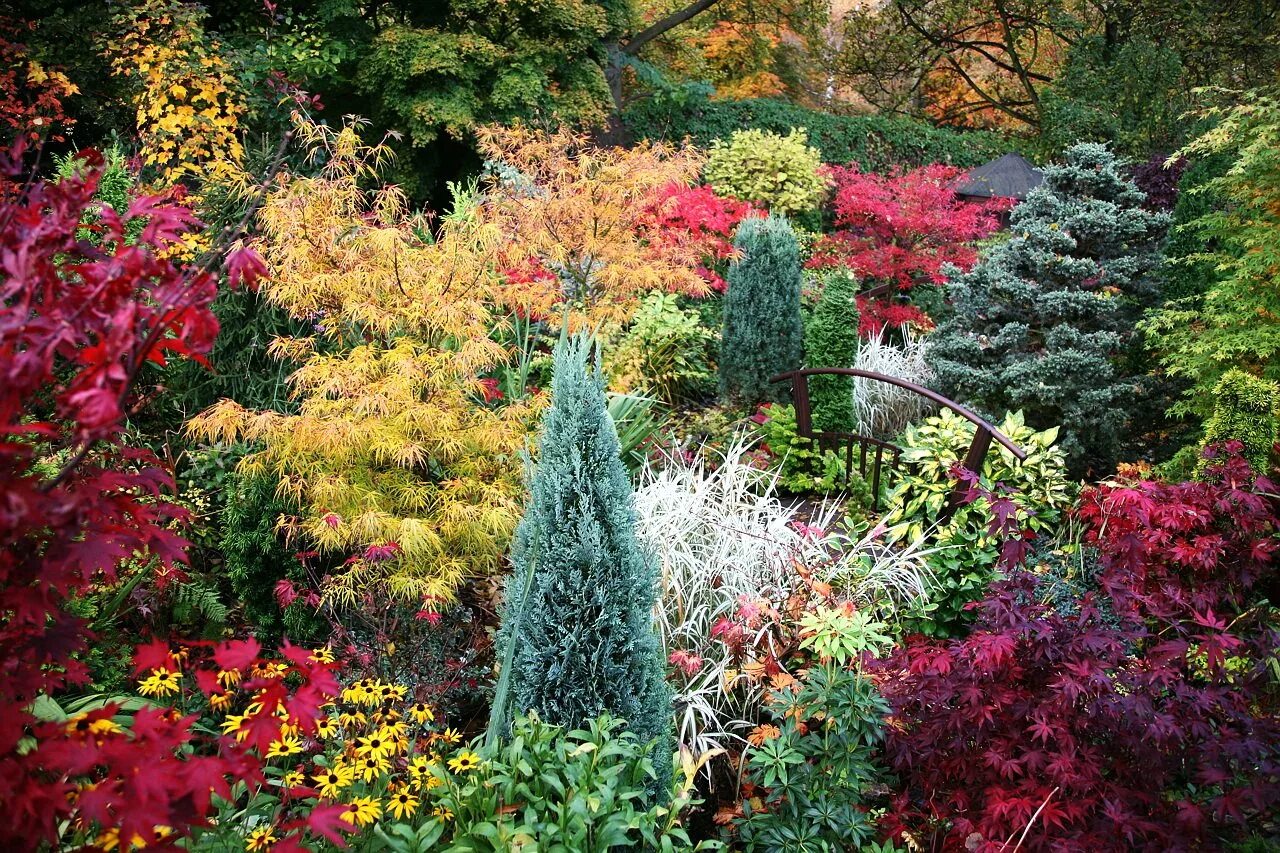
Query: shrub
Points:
[874, 142]
[763, 334]
[396, 468]
[667, 353]
[967, 553]
[549, 787]
[778, 173]
[1187, 273]
[801, 466]
[1245, 411]
[578, 614]
[806, 777]
[1140, 719]
[831, 340]
[903, 228]
[1038, 320]
[680, 214]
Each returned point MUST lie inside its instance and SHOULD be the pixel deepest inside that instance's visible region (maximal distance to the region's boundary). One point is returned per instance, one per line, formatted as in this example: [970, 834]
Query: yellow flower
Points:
[326, 727]
[161, 682]
[371, 768]
[464, 761]
[82, 725]
[419, 766]
[228, 677]
[376, 745]
[261, 839]
[285, 746]
[402, 805]
[422, 713]
[234, 723]
[451, 736]
[220, 701]
[351, 720]
[322, 655]
[293, 779]
[362, 811]
[442, 812]
[333, 780]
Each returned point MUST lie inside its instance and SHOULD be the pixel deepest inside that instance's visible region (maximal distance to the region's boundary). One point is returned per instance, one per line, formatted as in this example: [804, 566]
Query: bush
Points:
[549, 788]
[807, 777]
[965, 562]
[1245, 411]
[763, 334]
[1184, 274]
[831, 340]
[1143, 718]
[667, 353]
[804, 469]
[1037, 322]
[875, 142]
[778, 173]
[577, 623]
[884, 410]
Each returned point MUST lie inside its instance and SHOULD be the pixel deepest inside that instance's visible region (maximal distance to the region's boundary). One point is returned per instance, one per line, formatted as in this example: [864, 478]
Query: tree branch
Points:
[675, 19]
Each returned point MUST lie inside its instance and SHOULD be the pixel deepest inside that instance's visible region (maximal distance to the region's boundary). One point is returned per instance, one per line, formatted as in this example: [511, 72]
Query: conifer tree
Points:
[763, 334]
[579, 605]
[832, 341]
[1245, 411]
[1038, 321]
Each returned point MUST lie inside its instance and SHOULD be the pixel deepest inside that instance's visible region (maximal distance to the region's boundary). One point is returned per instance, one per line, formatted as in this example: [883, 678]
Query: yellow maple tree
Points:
[392, 457]
[186, 102]
[576, 244]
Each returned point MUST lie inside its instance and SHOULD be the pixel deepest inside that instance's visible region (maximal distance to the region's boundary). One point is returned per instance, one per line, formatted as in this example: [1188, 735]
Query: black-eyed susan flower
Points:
[332, 780]
[326, 727]
[288, 745]
[421, 713]
[322, 655]
[228, 677]
[442, 812]
[234, 724]
[371, 768]
[464, 761]
[220, 700]
[376, 745]
[83, 726]
[260, 840]
[402, 805]
[451, 736]
[161, 682]
[293, 779]
[362, 811]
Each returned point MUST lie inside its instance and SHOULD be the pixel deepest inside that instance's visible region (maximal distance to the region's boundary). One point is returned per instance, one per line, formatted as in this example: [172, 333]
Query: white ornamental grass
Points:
[723, 537]
[884, 410]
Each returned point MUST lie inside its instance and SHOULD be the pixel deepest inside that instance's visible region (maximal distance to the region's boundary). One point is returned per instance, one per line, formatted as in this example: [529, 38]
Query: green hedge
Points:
[874, 142]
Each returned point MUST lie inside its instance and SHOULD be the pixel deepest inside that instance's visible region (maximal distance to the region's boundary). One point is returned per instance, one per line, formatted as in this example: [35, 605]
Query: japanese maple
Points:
[902, 228]
[1138, 716]
[696, 217]
[80, 319]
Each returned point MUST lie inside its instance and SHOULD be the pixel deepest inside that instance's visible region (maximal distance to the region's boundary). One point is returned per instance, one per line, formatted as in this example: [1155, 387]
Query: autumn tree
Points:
[576, 242]
[184, 91]
[396, 464]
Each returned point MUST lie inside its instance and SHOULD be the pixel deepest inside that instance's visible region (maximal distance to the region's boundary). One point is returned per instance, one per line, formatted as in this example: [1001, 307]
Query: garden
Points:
[790, 426]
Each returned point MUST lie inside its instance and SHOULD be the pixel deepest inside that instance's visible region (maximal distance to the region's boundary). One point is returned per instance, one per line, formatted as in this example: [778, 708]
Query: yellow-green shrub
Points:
[780, 173]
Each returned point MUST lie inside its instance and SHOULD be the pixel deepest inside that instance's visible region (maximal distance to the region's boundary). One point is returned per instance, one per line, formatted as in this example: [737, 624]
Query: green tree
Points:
[579, 605]
[763, 334]
[1040, 318]
[831, 340]
[1237, 322]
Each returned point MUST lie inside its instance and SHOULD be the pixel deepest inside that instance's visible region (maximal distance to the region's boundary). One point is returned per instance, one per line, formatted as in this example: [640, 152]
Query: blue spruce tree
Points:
[1038, 322]
[579, 605]
[763, 334]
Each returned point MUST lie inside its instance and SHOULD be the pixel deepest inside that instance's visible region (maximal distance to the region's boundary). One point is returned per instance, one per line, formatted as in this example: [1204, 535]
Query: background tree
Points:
[574, 239]
[1245, 410]
[579, 605]
[1040, 319]
[762, 334]
[831, 340]
[1237, 323]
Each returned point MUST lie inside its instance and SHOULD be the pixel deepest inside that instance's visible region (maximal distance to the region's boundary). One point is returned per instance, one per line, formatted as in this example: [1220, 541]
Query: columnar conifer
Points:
[763, 334]
[832, 341]
[579, 605]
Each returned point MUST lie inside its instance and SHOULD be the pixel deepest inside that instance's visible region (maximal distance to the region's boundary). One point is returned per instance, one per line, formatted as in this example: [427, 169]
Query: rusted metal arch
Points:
[973, 460]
